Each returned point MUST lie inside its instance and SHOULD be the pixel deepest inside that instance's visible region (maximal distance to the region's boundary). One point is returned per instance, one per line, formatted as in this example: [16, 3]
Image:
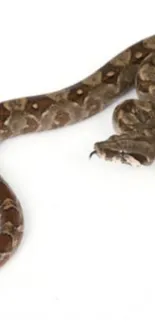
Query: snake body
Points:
[134, 120]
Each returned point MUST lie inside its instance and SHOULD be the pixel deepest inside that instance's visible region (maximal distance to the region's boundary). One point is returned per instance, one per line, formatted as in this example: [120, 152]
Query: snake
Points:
[133, 142]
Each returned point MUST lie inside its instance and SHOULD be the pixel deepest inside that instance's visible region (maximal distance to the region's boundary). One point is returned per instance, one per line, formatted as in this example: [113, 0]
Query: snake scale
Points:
[134, 121]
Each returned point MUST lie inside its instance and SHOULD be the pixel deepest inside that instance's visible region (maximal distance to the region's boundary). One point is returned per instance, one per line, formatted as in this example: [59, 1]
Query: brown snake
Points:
[134, 120]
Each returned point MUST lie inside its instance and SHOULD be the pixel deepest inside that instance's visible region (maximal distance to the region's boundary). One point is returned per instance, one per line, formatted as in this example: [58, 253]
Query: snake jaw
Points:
[130, 160]
[106, 152]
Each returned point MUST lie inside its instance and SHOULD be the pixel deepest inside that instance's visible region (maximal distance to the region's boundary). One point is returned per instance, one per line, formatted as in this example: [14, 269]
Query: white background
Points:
[89, 247]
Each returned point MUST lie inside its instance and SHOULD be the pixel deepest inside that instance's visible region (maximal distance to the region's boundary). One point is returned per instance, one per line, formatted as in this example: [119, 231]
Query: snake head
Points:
[129, 151]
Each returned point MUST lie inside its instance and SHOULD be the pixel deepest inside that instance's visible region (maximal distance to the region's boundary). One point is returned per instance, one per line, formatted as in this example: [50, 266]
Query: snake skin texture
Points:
[134, 121]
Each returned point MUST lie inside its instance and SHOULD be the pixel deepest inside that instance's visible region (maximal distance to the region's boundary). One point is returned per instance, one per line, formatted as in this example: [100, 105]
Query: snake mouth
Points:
[129, 158]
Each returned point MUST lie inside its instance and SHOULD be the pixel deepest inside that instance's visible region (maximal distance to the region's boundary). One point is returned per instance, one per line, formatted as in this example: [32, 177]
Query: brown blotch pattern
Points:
[4, 114]
[43, 103]
[5, 243]
[78, 93]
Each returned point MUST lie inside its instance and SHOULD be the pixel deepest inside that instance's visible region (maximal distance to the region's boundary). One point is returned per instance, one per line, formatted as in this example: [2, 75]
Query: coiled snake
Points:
[134, 120]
